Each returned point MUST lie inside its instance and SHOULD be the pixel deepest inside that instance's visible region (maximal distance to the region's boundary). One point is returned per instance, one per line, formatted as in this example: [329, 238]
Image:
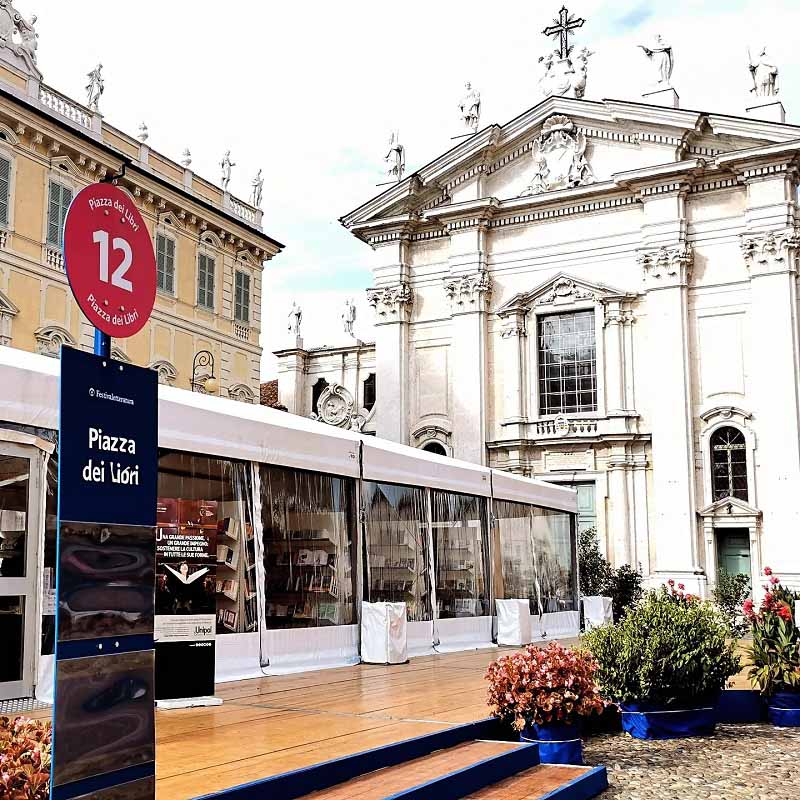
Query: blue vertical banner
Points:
[104, 715]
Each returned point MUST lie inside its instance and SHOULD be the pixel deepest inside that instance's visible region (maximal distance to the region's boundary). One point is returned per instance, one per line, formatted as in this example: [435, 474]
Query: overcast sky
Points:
[309, 91]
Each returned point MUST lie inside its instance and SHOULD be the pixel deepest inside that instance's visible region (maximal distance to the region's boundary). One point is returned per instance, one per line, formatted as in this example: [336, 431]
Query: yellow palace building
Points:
[210, 246]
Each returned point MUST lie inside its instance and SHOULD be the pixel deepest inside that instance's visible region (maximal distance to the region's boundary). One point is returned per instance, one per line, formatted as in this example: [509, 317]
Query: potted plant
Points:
[774, 656]
[664, 663]
[24, 758]
[545, 693]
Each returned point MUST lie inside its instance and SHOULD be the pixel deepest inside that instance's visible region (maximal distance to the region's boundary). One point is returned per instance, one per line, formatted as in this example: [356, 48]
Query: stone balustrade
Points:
[65, 107]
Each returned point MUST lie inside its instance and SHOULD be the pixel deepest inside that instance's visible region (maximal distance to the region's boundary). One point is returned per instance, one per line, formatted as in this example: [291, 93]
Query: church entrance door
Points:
[733, 551]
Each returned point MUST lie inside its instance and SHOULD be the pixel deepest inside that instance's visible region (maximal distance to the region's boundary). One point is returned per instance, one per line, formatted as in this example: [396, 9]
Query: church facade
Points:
[604, 295]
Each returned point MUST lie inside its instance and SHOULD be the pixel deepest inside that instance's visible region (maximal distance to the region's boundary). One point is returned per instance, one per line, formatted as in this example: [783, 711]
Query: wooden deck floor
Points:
[271, 725]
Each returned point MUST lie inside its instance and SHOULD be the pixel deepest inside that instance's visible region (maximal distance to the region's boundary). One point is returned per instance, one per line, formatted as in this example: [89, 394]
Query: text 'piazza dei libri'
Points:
[601, 293]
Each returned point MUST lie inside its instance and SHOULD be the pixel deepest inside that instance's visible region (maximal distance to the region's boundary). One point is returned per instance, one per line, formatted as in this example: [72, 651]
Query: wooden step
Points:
[546, 781]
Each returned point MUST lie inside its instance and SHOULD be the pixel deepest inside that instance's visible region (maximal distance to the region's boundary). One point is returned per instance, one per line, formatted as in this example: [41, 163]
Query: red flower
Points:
[784, 612]
[768, 570]
[671, 582]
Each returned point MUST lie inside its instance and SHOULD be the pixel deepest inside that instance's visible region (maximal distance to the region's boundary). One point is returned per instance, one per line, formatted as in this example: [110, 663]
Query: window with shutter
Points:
[241, 304]
[205, 281]
[58, 204]
[165, 263]
[5, 189]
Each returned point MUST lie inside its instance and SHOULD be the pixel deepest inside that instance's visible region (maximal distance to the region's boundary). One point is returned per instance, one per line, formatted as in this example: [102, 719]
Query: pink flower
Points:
[670, 582]
[774, 580]
[681, 586]
[768, 570]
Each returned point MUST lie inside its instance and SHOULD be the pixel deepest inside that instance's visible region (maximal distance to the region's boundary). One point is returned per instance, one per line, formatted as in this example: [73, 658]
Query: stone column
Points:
[619, 506]
[642, 554]
[469, 289]
[667, 270]
[773, 389]
[614, 358]
[392, 306]
[514, 337]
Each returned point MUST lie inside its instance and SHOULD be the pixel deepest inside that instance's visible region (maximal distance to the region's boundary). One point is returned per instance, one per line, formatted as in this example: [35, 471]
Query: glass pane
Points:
[462, 554]
[308, 555]
[12, 635]
[14, 477]
[537, 557]
[398, 559]
[209, 499]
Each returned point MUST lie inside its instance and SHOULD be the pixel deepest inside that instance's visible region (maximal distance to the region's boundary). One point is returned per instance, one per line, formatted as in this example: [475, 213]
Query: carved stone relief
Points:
[559, 157]
[468, 290]
[391, 300]
[774, 251]
[336, 407]
[667, 265]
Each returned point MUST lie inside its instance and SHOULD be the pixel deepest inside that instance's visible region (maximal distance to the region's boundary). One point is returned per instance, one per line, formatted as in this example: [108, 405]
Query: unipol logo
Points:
[202, 630]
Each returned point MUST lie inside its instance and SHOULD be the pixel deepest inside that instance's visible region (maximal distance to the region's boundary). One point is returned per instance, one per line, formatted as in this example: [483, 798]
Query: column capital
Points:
[771, 253]
[392, 303]
[469, 293]
[667, 266]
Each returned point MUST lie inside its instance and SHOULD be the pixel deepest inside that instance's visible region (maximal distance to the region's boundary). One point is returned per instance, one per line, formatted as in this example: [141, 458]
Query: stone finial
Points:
[186, 158]
[144, 133]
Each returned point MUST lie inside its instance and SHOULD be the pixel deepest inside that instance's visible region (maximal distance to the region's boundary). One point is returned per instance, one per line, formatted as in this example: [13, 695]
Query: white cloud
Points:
[309, 92]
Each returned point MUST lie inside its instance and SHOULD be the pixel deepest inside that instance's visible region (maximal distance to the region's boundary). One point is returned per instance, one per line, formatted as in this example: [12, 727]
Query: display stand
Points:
[513, 622]
[384, 633]
[597, 611]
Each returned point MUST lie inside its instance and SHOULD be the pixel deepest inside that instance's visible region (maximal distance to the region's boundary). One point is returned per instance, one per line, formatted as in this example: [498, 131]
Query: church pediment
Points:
[563, 145]
[729, 507]
[560, 290]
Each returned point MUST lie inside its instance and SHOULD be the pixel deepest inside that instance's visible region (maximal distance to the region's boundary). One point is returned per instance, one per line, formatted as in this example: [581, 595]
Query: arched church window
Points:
[316, 392]
[369, 391]
[435, 447]
[729, 464]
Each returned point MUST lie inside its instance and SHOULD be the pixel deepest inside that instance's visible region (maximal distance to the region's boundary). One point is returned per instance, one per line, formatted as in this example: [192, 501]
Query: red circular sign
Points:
[109, 259]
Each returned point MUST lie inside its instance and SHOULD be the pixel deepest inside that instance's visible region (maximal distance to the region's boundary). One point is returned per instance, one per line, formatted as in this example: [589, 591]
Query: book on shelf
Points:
[229, 526]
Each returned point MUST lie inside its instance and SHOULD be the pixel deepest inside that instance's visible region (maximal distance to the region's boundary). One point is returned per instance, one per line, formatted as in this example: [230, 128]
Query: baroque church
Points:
[602, 294]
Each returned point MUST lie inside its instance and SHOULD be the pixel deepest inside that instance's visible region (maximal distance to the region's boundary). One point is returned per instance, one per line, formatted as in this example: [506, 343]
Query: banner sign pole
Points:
[104, 710]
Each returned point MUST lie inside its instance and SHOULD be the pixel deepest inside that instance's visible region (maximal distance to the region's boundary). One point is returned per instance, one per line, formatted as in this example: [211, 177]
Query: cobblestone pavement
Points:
[742, 762]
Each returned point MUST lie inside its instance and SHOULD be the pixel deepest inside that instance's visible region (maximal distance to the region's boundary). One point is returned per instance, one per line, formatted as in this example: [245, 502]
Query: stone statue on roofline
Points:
[258, 190]
[349, 317]
[764, 74]
[395, 158]
[95, 88]
[227, 166]
[470, 108]
[295, 319]
[659, 54]
[18, 39]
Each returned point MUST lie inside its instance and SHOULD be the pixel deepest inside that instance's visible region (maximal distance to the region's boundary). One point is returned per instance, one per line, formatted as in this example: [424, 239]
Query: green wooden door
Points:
[733, 551]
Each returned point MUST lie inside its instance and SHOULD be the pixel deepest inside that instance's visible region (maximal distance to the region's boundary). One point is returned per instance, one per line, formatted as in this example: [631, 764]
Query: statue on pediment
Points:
[395, 158]
[349, 317]
[95, 88]
[559, 155]
[764, 74]
[563, 77]
[295, 319]
[470, 107]
[659, 54]
[227, 166]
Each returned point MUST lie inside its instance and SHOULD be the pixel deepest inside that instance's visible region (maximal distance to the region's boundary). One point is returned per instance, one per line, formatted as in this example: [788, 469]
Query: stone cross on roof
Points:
[564, 26]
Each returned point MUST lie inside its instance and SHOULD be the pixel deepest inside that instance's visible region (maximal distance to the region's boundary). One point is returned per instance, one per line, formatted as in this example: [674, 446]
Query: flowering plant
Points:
[24, 759]
[774, 656]
[542, 685]
[669, 650]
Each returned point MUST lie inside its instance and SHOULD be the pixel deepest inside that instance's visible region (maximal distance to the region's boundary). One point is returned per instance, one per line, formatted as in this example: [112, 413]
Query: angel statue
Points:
[395, 158]
[28, 36]
[764, 74]
[659, 53]
[94, 88]
[470, 107]
[226, 165]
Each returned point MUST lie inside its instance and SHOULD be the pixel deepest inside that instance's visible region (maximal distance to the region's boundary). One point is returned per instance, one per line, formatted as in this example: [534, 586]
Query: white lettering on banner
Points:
[112, 444]
[123, 476]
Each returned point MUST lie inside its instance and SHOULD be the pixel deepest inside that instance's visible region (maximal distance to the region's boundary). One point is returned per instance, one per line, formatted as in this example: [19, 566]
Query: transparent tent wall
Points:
[308, 529]
[536, 557]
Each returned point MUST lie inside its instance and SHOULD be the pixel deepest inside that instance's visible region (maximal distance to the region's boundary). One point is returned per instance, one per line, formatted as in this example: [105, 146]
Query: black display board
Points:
[104, 715]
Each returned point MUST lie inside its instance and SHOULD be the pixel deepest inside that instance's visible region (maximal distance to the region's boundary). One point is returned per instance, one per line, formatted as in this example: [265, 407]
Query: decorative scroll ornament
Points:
[336, 407]
[468, 290]
[667, 264]
[18, 38]
[391, 299]
[565, 290]
[559, 155]
[771, 251]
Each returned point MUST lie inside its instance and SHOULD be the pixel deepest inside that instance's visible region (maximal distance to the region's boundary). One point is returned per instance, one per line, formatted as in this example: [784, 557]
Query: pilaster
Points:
[513, 343]
[617, 467]
[291, 379]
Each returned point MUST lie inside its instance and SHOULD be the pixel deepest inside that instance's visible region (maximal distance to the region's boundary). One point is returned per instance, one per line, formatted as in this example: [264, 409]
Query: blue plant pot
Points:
[651, 722]
[783, 709]
[559, 742]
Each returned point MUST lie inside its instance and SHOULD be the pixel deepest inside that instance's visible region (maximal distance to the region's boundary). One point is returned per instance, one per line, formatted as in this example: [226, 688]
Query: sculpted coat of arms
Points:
[559, 156]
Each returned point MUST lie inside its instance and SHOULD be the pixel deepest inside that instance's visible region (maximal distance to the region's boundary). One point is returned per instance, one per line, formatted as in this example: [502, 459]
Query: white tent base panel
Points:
[464, 633]
[188, 702]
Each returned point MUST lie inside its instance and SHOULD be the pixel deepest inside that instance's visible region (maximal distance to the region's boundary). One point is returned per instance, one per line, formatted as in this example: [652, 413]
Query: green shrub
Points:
[671, 649]
[730, 594]
[598, 578]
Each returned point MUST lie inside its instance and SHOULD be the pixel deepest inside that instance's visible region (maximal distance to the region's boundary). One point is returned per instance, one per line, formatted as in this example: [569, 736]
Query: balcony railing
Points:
[65, 107]
[241, 332]
[562, 426]
[244, 211]
[54, 258]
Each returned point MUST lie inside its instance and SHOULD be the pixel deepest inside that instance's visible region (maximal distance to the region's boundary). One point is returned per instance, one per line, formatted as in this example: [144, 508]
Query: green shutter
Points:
[5, 189]
[53, 204]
